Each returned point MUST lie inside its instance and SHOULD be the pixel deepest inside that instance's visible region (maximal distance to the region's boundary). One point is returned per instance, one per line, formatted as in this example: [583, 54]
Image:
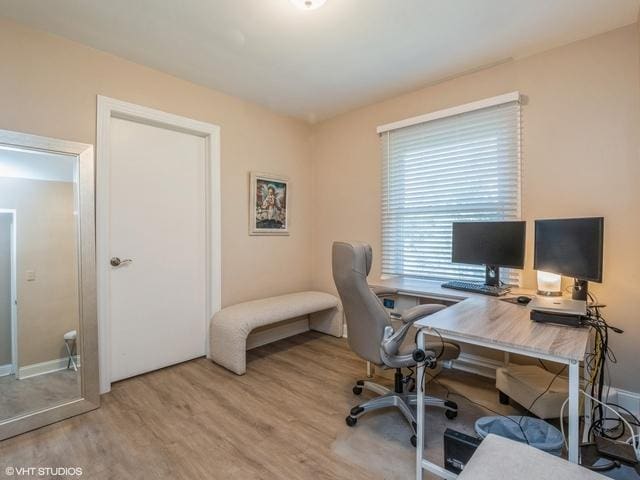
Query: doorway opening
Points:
[8, 300]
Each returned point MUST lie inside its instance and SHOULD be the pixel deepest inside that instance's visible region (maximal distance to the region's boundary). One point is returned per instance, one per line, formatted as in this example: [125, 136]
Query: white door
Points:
[157, 219]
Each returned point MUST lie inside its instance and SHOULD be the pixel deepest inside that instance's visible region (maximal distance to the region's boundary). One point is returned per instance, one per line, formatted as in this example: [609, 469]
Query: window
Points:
[461, 164]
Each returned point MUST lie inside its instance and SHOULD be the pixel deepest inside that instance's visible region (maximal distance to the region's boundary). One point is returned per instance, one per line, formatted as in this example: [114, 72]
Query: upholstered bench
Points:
[231, 326]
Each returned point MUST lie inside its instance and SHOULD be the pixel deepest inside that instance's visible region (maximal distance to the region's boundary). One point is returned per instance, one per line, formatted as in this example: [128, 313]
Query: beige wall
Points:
[580, 157]
[580, 153]
[5, 288]
[45, 244]
[48, 86]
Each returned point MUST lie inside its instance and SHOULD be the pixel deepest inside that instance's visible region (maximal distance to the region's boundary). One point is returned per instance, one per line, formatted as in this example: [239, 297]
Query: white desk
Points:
[492, 323]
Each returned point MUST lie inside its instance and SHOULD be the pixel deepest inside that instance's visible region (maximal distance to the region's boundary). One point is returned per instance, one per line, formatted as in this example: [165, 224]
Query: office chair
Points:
[373, 338]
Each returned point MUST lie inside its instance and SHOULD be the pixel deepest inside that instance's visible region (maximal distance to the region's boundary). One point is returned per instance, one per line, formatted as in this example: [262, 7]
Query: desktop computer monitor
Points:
[492, 244]
[571, 247]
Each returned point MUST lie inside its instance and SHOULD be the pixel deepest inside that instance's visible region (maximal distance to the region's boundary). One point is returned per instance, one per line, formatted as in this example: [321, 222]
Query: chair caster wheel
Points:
[414, 441]
[351, 421]
[357, 390]
[451, 414]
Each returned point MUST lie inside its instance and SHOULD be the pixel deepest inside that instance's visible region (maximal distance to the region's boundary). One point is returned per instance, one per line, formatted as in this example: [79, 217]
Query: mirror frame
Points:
[88, 325]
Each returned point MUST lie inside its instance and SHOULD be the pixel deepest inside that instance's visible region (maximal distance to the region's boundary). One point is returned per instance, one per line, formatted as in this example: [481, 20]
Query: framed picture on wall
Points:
[269, 204]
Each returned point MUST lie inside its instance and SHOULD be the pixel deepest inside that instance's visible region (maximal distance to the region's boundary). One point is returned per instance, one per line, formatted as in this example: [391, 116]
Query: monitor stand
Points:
[492, 275]
[580, 290]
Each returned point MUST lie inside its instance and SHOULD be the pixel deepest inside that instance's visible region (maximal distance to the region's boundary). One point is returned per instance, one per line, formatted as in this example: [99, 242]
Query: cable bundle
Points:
[596, 369]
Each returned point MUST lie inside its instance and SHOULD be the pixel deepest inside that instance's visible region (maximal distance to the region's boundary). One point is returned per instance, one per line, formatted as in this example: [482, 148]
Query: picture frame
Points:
[269, 204]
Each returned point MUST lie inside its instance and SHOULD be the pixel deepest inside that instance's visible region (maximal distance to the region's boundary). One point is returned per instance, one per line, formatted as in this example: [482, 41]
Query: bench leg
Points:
[228, 349]
[327, 321]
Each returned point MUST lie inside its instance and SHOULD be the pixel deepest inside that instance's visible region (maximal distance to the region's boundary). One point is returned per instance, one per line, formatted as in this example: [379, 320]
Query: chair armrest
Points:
[391, 345]
[392, 340]
[420, 311]
[381, 291]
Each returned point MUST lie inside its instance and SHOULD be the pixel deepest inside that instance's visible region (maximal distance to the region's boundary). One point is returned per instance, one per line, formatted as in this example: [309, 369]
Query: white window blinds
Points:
[464, 167]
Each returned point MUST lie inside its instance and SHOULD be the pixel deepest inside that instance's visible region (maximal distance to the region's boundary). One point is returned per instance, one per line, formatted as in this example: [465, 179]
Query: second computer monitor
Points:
[493, 244]
[571, 247]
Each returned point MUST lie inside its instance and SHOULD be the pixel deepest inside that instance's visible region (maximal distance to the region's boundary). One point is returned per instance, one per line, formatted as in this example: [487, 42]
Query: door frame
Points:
[109, 108]
[14, 287]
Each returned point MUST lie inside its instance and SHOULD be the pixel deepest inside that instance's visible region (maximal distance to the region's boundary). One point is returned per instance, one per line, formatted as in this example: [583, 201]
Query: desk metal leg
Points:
[422, 463]
[574, 384]
[587, 419]
[420, 411]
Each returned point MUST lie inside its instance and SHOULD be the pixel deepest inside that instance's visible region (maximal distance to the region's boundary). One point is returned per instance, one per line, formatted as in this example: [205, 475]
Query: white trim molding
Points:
[14, 288]
[6, 370]
[110, 108]
[479, 365]
[43, 368]
[449, 112]
[626, 399]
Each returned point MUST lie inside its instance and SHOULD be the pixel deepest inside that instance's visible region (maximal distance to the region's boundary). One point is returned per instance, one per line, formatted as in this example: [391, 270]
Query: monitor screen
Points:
[570, 247]
[489, 243]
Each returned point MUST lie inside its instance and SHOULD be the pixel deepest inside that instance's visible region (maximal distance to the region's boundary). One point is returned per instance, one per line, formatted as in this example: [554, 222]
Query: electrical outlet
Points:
[31, 275]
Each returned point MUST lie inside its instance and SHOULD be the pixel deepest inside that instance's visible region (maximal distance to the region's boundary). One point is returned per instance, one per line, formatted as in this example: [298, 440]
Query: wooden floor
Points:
[281, 420]
[19, 397]
[197, 420]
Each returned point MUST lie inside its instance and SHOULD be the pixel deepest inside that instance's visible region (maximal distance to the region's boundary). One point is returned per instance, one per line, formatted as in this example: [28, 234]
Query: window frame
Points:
[512, 275]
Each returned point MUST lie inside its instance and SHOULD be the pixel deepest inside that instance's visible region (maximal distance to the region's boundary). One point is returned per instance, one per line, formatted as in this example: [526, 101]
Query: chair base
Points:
[402, 401]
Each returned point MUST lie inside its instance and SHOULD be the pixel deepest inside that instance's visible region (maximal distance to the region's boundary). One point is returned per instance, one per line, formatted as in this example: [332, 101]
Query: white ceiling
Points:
[36, 165]
[315, 64]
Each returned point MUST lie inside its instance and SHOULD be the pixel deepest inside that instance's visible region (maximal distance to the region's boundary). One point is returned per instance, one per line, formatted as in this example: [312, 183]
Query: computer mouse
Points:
[523, 300]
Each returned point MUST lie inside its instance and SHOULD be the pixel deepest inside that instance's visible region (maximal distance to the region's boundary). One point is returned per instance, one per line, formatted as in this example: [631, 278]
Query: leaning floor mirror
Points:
[48, 325]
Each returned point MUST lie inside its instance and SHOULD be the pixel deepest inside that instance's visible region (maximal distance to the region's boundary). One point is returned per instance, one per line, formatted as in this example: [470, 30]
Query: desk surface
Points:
[486, 320]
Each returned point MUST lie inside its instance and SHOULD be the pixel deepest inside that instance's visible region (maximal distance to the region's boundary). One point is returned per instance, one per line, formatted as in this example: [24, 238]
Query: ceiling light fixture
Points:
[308, 4]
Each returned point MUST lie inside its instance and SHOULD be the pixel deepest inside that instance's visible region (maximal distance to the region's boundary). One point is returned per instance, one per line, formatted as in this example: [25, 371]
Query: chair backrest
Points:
[365, 314]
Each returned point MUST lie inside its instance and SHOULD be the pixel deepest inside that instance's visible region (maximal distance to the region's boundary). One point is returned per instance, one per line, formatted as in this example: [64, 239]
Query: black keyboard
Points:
[477, 288]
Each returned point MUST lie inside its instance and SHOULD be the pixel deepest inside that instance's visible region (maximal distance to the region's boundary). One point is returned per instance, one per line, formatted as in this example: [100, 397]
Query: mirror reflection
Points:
[40, 357]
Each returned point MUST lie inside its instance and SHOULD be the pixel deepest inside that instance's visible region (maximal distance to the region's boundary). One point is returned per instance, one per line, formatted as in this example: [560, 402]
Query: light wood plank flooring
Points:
[19, 397]
[197, 420]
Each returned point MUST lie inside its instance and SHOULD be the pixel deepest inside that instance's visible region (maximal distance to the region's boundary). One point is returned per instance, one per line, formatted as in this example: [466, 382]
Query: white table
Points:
[492, 323]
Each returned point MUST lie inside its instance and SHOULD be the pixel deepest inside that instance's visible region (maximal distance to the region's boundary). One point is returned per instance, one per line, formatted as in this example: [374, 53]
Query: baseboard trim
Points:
[42, 368]
[626, 399]
[5, 370]
[477, 364]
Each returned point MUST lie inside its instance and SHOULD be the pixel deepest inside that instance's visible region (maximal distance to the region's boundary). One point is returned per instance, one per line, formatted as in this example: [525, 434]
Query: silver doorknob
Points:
[116, 262]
